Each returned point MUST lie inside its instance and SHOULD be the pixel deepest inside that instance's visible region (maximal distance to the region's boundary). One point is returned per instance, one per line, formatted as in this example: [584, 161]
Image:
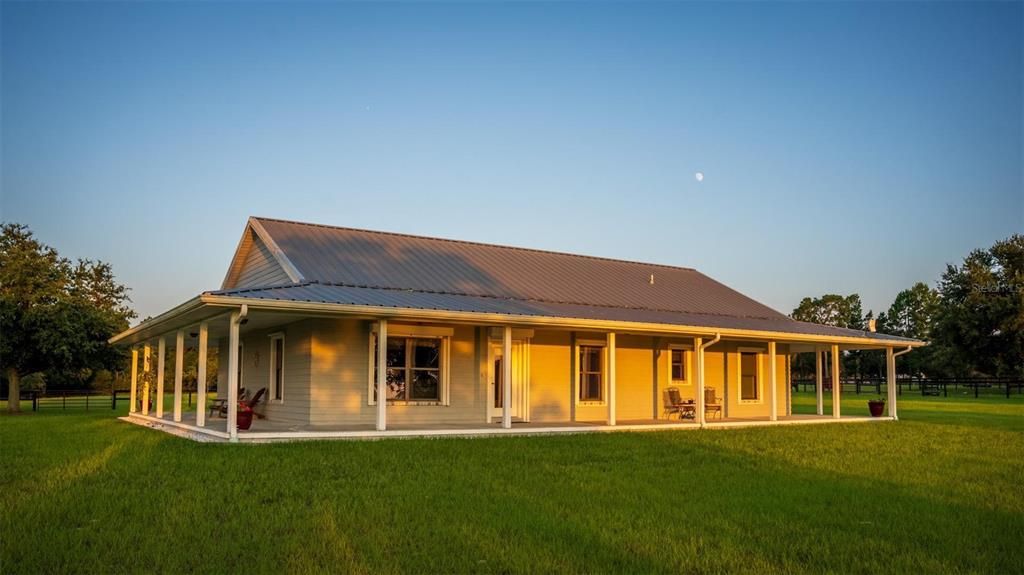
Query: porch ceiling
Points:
[217, 318]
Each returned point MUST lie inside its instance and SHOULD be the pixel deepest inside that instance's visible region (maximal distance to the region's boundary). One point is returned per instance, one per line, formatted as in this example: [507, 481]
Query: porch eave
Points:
[206, 306]
[567, 323]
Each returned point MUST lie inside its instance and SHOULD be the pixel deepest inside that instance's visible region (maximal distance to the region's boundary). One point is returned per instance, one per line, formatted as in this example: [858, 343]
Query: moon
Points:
[699, 176]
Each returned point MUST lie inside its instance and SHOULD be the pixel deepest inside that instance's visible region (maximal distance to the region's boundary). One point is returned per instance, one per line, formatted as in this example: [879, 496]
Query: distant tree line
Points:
[973, 320]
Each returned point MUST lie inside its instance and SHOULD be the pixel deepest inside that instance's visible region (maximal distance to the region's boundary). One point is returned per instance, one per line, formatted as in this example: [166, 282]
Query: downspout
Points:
[718, 338]
[891, 384]
[899, 353]
[242, 313]
[700, 350]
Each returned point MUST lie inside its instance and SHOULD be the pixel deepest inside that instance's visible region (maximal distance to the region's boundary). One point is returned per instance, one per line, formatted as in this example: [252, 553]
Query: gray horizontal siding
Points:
[340, 378]
[294, 408]
[260, 268]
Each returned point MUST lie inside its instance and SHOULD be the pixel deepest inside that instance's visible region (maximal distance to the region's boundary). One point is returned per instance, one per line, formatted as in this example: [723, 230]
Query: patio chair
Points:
[669, 407]
[257, 402]
[219, 406]
[674, 404]
[712, 404]
[250, 402]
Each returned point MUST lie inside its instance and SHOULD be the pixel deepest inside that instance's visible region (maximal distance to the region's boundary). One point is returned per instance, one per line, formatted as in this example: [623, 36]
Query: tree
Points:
[55, 315]
[979, 324]
[912, 315]
[831, 309]
[837, 311]
[912, 312]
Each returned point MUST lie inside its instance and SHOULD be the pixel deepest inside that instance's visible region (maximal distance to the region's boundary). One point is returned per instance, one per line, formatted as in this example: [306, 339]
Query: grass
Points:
[939, 491]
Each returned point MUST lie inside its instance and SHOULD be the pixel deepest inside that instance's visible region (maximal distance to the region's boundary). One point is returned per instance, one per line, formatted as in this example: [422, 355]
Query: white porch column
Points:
[161, 357]
[382, 375]
[201, 376]
[836, 387]
[611, 378]
[132, 407]
[506, 378]
[773, 390]
[147, 352]
[819, 381]
[698, 349]
[179, 360]
[233, 360]
[890, 380]
[789, 384]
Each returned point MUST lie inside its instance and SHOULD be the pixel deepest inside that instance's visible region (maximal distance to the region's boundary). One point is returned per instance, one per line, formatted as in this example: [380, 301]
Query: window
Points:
[749, 384]
[678, 360]
[241, 361]
[413, 368]
[591, 373]
[277, 367]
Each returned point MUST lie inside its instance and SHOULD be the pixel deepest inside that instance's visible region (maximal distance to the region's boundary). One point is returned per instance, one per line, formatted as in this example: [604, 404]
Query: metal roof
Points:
[353, 257]
[350, 267]
[425, 300]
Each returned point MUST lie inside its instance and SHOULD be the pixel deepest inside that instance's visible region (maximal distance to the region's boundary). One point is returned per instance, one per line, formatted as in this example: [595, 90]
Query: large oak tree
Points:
[55, 315]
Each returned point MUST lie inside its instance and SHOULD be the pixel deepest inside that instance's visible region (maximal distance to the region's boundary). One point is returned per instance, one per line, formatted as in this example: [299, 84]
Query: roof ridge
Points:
[491, 296]
[485, 244]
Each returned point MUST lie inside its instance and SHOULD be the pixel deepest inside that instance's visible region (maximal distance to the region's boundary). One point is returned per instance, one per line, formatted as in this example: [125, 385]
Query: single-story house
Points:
[474, 339]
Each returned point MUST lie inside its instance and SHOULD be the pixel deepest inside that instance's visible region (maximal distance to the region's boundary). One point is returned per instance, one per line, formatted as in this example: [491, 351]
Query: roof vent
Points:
[652, 279]
[871, 325]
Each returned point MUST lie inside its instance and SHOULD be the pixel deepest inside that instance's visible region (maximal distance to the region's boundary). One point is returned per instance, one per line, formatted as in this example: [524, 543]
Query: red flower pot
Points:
[876, 407]
[244, 419]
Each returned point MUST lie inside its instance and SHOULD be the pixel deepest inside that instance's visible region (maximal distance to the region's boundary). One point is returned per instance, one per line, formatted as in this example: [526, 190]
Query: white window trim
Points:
[603, 344]
[416, 331]
[687, 360]
[760, 375]
[273, 353]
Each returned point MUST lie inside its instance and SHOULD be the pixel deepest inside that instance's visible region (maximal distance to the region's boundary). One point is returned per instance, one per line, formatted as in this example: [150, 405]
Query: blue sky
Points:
[847, 147]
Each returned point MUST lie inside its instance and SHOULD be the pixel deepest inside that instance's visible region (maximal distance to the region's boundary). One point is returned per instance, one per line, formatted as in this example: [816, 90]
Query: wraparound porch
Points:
[319, 373]
[215, 430]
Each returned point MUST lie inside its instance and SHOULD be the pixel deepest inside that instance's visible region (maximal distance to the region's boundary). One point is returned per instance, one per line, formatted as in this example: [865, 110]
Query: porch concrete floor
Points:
[267, 430]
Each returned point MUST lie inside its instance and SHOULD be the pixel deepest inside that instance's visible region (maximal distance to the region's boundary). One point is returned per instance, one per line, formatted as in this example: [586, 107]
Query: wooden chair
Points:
[219, 406]
[258, 401]
[669, 406]
[251, 403]
[711, 404]
[674, 404]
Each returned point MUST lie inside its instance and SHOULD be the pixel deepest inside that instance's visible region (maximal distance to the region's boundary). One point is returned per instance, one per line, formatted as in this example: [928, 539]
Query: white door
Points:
[497, 390]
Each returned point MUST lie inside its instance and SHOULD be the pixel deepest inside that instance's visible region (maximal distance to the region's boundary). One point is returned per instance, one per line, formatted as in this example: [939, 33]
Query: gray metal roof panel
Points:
[359, 257]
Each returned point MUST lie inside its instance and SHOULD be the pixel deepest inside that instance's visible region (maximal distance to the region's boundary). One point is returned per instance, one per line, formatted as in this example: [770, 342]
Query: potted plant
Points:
[244, 415]
[877, 406]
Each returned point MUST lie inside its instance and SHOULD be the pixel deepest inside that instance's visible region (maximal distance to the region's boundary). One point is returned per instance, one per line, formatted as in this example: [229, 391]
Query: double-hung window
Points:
[591, 368]
[678, 365]
[414, 368]
[750, 386]
[277, 367]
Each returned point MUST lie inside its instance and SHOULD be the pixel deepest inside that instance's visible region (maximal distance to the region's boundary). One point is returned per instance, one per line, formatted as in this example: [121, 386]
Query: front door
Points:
[497, 389]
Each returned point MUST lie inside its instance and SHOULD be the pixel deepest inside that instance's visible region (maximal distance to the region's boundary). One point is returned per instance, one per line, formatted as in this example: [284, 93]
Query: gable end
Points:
[257, 263]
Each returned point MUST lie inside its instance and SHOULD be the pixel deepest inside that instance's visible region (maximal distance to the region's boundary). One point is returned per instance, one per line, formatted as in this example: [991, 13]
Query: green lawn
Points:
[940, 491]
